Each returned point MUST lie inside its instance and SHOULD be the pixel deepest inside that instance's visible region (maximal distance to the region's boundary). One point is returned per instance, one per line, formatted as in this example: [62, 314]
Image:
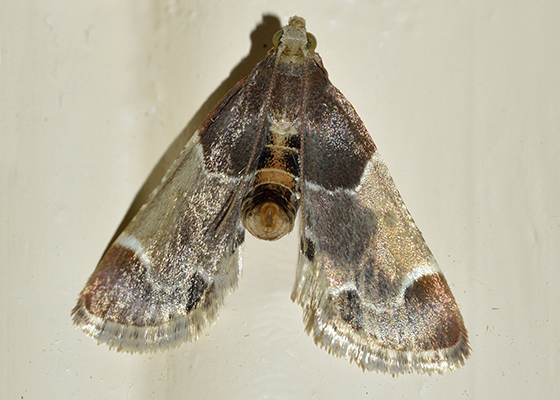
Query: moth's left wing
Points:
[370, 287]
[165, 276]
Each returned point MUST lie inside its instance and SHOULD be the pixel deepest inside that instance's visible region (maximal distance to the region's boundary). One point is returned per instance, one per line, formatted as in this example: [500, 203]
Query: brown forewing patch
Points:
[433, 310]
[117, 267]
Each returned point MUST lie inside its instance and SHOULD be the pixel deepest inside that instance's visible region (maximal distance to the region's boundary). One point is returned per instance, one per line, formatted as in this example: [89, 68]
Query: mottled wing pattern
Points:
[165, 276]
[370, 287]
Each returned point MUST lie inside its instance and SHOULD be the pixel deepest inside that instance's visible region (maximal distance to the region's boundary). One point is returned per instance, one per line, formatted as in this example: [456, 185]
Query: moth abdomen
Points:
[270, 208]
[269, 211]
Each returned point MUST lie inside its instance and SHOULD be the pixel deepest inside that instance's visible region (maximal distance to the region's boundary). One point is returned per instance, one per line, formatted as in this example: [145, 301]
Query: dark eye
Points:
[311, 42]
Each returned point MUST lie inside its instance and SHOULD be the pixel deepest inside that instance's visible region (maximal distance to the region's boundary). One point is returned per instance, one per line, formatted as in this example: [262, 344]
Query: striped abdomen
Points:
[270, 208]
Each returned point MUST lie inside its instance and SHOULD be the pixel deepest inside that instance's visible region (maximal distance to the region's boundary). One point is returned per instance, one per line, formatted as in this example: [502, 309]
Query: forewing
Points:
[370, 287]
[165, 276]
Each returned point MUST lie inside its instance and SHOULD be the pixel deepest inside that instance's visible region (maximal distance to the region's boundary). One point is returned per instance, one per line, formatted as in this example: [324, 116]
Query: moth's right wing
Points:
[369, 285]
[165, 276]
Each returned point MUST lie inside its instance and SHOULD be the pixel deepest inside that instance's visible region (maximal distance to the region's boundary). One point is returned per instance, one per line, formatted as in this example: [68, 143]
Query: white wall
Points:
[462, 98]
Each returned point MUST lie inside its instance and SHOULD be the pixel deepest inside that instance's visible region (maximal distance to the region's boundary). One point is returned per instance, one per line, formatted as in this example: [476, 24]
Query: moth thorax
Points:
[269, 211]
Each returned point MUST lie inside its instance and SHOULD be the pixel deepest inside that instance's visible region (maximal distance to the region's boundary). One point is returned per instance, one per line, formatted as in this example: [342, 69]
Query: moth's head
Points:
[293, 41]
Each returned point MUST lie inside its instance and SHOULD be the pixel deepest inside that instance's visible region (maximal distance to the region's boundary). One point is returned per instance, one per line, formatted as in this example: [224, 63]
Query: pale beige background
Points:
[461, 97]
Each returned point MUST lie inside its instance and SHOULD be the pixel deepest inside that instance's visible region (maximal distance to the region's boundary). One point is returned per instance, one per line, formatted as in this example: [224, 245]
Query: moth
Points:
[284, 138]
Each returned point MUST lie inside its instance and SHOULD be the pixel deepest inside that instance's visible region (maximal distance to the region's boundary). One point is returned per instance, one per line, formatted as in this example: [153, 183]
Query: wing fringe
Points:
[336, 336]
[140, 339]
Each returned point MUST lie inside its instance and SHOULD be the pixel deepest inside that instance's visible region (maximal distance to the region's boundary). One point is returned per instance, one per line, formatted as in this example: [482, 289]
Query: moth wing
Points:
[370, 287]
[165, 276]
